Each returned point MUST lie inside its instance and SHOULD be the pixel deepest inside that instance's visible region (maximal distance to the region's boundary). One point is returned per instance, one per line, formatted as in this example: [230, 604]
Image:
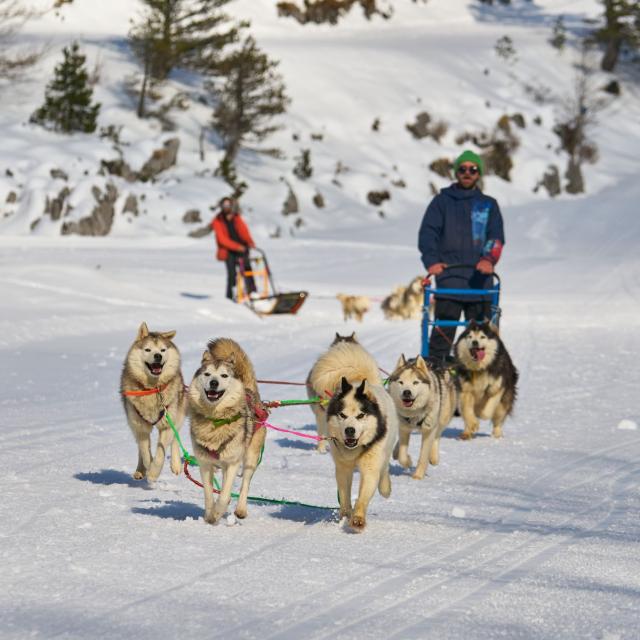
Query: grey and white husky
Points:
[223, 404]
[488, 378]
[425, 400]
[152, 383]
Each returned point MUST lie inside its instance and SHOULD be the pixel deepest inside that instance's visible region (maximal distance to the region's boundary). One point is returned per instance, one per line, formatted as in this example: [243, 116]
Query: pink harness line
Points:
[262, 423]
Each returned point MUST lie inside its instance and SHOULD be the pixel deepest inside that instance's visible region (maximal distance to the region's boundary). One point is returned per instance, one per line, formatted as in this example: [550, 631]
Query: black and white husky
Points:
[488, 378]
[363, 427]
[425, 400]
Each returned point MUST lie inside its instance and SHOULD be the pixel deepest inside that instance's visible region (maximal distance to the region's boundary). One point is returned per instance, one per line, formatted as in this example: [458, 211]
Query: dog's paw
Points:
[345, 513]
[357, 523]
[211, 518]
[240, 513]
[176, 469]
[497, 432]
[406, 463]
[322, 446]
[418, 475]
[138, 475]
[466, 435]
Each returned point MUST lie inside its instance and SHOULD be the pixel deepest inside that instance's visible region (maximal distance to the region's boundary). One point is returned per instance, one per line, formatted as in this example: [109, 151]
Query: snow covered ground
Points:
[533, 536]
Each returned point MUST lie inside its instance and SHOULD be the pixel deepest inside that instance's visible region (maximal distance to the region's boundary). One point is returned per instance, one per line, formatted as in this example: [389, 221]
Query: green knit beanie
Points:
[469, 156]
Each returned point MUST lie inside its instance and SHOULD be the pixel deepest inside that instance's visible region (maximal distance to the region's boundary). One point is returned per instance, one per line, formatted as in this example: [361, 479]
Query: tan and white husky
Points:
[223, 402]
[152, 383]
[425, 400]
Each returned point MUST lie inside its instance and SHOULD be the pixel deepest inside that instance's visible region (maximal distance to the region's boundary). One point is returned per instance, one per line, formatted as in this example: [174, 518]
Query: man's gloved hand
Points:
[484, 266]
[436, 269]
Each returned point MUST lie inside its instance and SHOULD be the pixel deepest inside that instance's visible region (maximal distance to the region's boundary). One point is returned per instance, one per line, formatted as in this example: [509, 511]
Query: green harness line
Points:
[190, 460]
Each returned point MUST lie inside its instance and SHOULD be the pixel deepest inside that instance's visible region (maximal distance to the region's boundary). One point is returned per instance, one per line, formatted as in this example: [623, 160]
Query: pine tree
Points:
[559, 34]
[181, 33]
[252, 94]
[67, 105]
[622, 27]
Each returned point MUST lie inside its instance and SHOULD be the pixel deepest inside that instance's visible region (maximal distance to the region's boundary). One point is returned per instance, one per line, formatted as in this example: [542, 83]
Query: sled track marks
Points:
[422, 562]
[521, 566]
[492, 574]
[162, 593]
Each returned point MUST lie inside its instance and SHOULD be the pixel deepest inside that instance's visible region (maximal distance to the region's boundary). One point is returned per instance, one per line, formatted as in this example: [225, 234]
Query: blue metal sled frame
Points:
[427, 324]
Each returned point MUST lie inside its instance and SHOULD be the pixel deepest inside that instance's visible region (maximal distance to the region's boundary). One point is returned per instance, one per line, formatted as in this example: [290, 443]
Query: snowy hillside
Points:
[436, 57]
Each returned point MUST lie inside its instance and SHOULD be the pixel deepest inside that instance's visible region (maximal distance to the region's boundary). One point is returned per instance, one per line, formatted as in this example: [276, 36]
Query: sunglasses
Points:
[470, 170]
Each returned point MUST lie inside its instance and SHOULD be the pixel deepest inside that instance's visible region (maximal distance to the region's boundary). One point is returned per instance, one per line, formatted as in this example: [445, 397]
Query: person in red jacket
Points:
[234, 241]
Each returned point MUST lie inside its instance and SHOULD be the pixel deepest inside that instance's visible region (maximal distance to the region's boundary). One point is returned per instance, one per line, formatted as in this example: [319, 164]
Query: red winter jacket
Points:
[225, 243]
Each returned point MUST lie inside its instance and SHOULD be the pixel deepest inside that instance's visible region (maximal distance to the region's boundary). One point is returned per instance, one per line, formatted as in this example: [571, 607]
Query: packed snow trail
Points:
[532, 536]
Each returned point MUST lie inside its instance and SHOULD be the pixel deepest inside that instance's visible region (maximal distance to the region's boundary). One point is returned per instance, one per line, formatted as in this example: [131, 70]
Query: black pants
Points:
[232, 262]
[442, 338]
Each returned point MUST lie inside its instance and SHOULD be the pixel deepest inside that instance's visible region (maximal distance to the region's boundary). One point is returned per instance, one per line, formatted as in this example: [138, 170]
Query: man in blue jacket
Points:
[461, 226]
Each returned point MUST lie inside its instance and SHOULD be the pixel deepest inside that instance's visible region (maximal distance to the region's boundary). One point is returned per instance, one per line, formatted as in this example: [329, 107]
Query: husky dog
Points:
[363, 427]
[488, 378]
[413, 299]
[354, 306]
[344, 354]
[151, 384]
[392, 305]
[223, 405]
[425, 400]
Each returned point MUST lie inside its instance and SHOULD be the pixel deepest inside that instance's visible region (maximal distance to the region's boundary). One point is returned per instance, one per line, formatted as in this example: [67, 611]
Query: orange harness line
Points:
[146, 392]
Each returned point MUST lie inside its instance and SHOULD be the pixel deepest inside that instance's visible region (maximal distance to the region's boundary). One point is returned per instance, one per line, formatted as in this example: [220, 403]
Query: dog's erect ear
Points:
[491, 327]
[401, 361]
[207, 357]
[472, 325]
[143, 331]
[421, 364]
[168, 335]
[353, 336]
[361, 389]
[345, 386]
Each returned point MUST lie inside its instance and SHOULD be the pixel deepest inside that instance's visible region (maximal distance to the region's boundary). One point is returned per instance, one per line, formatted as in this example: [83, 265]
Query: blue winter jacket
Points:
[460, 226]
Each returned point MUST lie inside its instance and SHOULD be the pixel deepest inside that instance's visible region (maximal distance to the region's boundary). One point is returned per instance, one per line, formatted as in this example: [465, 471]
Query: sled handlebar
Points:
[494, 275]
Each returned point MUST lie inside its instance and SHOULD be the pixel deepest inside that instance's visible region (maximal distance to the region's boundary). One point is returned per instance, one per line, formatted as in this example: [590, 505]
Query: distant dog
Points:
[363, 427]
[392, 305]
[488, 378]
[425, 400]
[152, 383]
[405, 303]
[223, 404]
[354, 306]
[324, 377]
[413, 299]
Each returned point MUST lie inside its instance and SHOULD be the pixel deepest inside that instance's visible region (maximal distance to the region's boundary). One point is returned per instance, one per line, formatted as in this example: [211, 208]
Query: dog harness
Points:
[146, 392]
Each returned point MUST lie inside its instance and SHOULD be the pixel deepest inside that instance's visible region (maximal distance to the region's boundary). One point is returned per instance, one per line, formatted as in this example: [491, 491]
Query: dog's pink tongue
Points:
[479, 354]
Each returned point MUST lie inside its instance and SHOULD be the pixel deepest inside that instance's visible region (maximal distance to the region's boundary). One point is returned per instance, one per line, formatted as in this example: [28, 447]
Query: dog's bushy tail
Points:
[229, 350]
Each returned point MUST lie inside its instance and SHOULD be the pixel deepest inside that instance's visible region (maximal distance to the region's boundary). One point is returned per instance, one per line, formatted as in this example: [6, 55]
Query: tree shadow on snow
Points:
[172, 509]
[109, 476]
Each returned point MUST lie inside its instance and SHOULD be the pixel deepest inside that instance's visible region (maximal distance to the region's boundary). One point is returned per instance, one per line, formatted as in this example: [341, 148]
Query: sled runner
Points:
[267, 300]
[429, 324]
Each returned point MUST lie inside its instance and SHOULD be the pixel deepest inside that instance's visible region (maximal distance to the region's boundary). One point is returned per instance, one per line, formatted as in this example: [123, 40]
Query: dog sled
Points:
[429, 324]
[266, 300]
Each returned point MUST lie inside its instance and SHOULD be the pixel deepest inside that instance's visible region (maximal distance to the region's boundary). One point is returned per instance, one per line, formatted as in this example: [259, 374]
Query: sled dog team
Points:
[363, 423]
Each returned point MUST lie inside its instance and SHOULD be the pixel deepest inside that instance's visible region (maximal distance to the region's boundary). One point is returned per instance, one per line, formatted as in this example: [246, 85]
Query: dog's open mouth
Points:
[477, 353]
[155, 368]
[408, 402]
[213, 396]
[351, 443]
